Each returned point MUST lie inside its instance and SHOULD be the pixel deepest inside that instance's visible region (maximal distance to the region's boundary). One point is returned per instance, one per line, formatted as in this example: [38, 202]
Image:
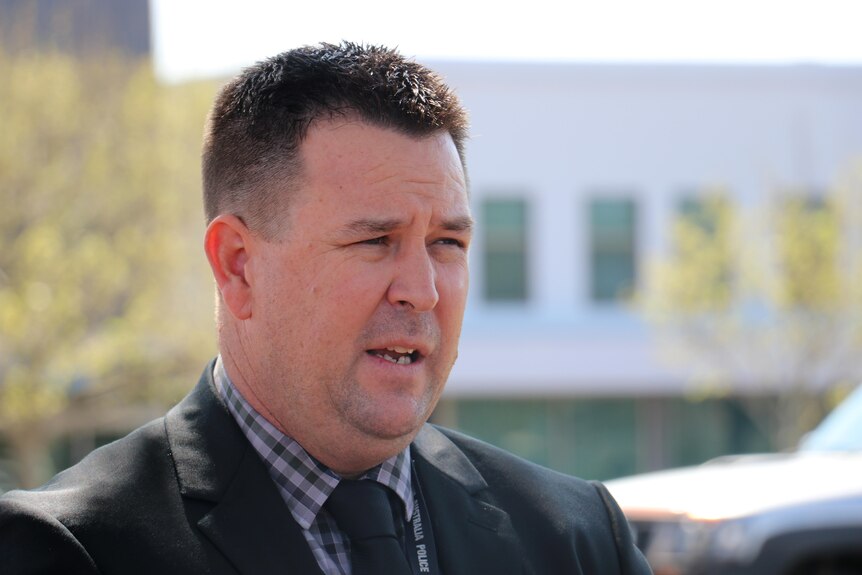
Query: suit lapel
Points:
[253, 528]
[472, 535]
[245, 518]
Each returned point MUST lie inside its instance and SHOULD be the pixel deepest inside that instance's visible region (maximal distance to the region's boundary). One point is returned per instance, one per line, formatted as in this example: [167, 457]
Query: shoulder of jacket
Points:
[102, 477]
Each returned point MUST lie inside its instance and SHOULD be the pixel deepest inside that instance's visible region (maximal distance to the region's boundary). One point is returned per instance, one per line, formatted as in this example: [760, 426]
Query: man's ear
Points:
[226, 243]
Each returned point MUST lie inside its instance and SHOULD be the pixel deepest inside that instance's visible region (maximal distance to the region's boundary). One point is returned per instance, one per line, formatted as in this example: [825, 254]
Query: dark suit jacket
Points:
[188, 494]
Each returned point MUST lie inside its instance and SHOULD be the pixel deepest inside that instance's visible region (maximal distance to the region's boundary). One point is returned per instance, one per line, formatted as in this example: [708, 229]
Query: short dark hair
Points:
[261, 117]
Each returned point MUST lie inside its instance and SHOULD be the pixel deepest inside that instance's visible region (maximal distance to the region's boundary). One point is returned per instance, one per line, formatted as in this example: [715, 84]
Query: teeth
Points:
[399, 349]
[403, 360]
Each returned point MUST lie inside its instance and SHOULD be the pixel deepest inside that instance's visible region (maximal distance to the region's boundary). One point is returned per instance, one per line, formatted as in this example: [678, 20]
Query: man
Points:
[339, 224]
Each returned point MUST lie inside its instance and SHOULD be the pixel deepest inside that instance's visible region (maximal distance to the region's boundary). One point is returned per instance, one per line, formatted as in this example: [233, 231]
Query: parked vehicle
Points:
[797, 513]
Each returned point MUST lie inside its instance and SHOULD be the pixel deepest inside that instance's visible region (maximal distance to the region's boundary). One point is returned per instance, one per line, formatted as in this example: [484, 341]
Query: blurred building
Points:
[76, 26]
[577, 172]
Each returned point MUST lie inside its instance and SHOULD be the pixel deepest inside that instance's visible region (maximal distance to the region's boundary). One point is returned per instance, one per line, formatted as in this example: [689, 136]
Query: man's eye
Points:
[381, 241]
[451, 242]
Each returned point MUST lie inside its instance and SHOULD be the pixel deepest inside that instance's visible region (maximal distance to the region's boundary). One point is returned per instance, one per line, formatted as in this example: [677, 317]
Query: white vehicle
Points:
[797, 513]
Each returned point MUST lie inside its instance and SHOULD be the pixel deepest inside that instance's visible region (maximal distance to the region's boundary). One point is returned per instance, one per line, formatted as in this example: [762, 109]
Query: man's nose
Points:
[414, 280]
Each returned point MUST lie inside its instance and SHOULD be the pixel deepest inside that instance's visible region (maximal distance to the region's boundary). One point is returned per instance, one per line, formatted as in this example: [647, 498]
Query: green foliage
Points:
[103, 285]
[765, 299]
[809, 276]
[696, 278]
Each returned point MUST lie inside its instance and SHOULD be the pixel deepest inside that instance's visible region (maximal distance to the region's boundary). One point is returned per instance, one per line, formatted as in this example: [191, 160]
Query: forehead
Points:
[349, 160]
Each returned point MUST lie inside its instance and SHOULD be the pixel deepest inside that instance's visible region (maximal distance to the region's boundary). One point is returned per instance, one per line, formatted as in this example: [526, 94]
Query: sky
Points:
[200, 38]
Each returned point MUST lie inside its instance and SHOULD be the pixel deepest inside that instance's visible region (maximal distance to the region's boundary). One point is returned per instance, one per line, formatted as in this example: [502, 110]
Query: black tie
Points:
[362, 511]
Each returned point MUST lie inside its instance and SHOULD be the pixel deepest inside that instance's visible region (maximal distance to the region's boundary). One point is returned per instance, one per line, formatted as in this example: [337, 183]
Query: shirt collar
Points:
[304, 482]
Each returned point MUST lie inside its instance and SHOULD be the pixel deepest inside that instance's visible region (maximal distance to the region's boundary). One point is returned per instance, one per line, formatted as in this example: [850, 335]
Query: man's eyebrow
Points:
[459, 224]
[373, 226]
[386, 225]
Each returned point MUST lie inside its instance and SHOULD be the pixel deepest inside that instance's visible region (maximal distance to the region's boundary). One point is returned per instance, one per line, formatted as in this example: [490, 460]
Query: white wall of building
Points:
[558, 134]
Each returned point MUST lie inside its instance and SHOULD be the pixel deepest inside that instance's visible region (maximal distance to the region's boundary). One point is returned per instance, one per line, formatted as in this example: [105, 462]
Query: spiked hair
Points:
[260, 119]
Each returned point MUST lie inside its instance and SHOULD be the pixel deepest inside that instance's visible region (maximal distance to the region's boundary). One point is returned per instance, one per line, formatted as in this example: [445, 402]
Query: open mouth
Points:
[397, 355]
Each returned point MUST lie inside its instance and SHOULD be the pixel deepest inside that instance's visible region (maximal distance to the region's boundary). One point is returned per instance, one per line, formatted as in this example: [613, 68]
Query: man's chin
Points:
[393, 420]
[389, 413]
[393, 429]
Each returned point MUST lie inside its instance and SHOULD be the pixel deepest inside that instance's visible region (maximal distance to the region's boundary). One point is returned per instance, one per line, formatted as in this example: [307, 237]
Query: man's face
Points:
[357, 306]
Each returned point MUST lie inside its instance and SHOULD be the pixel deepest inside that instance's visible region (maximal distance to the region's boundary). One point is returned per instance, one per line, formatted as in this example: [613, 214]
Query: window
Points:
[612, 248]
[704, 211]
[505, 262]
[602, 438]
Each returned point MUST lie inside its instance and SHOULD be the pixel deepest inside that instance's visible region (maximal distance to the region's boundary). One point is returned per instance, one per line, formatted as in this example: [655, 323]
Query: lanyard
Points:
[421, 549]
